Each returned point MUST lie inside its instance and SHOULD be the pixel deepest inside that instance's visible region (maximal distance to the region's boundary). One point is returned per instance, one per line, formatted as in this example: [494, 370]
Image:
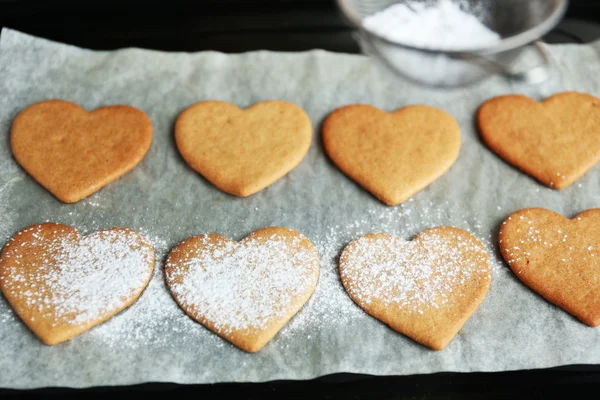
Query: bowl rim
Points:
[504, 44]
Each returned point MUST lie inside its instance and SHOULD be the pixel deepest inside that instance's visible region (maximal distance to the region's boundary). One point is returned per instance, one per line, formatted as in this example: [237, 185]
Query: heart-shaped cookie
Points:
[392, 155]
[73, 153]
[243, 291]
[556, 257]
[62, 284]
[243, 151]
[556, 141]
[425, 289]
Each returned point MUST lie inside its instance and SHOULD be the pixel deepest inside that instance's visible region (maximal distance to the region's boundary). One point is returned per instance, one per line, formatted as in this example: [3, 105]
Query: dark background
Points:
[280, 25]
[224, 25]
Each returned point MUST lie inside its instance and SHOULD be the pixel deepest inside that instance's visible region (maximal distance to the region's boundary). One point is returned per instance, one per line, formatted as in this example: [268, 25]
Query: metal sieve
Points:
[520, 23]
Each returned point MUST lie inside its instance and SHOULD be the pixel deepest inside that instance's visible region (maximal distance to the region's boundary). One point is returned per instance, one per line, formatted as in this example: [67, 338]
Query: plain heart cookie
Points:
[243, 151]
[425, 289]
[556, 141]
[73, 153]
[392, 155]
[61, 284]
[243, 291]
[557, 257]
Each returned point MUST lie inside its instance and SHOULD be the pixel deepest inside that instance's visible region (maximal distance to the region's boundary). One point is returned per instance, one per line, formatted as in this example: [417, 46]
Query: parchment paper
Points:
[153, 341]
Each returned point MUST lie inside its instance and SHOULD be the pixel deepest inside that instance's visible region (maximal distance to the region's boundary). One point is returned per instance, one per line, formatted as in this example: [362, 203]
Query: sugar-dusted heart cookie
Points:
[555, 141]
[425, 289]
[243, 291]
[62, 284]
[392, 155]
[73, 153]
[556, 257]
[243, 151]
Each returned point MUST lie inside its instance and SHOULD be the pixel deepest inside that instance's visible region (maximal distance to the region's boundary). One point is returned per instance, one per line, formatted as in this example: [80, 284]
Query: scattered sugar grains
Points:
[412, 275]
[244, 285]
[330, 305]
[156, 320]
[152, 317]
[81, 281]
[537, 235]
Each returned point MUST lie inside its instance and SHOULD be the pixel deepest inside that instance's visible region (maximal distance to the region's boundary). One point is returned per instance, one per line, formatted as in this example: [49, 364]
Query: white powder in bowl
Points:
[442, 25]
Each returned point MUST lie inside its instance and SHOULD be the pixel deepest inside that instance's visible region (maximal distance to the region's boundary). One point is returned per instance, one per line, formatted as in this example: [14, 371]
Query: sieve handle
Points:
[535, 74]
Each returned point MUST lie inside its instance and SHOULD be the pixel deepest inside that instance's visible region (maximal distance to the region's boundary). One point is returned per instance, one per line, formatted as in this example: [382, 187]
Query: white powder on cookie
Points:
[155, 318]
[79, 281]
[330, 304]
[440, 25]
[538, 235]
[244, 285]
[412, 275]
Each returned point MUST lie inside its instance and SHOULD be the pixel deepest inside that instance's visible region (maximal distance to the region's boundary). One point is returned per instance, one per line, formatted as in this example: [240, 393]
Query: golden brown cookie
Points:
[73, 153]
[556, 257]
[243, 291]
[62, 284]
[425, 289]
[243, 151]
[392, 155]
[555, 141]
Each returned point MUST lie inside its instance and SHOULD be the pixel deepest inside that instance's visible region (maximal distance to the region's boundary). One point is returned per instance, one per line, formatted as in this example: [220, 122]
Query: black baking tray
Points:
[281, 25]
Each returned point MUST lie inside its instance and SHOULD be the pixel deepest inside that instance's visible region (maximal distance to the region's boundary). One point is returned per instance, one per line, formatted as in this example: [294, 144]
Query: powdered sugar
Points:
[440, 25]
[412, 275]
[244, 285]
[155, 319]
[536, 238]
[76, 281]
[330, 305]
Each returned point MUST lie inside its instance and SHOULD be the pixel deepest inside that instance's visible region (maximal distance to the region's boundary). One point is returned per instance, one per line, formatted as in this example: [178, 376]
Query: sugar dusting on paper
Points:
[162, 198]
[155, 315]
